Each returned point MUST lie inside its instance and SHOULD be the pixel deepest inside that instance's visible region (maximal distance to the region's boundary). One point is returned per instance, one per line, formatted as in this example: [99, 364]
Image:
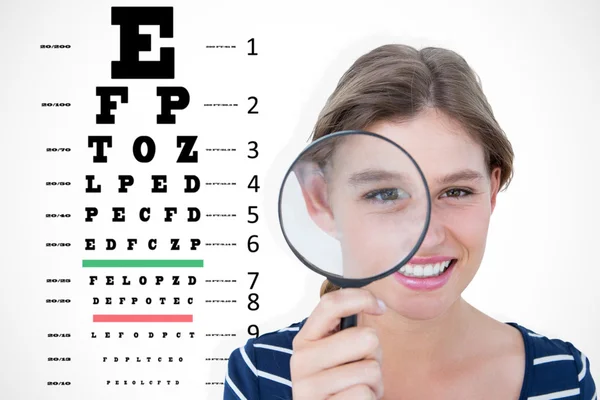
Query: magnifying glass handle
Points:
[348, 322]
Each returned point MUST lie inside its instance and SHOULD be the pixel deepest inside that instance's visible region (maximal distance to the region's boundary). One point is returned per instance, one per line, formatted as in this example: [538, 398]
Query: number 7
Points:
[254, 280]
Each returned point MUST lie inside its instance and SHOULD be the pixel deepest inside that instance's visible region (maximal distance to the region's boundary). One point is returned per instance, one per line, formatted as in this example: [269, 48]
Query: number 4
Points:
[254, 181]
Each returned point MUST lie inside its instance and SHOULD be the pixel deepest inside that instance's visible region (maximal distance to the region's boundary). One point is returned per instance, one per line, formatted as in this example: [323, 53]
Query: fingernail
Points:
[382, 305]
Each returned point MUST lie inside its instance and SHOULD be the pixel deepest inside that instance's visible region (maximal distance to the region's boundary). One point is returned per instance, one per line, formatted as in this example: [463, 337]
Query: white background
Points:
[537, 61]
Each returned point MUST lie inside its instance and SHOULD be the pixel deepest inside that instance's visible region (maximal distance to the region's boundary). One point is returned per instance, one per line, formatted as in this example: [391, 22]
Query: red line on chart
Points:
[143, 318]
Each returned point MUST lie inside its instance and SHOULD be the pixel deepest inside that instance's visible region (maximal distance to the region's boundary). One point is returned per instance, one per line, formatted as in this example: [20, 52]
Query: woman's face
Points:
[378, 230]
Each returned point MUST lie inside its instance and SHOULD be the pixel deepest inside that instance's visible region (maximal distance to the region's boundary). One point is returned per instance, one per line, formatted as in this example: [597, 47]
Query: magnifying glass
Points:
[354, 206]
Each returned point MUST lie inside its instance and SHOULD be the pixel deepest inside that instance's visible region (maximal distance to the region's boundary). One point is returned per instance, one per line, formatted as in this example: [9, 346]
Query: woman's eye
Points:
[456, 193]
[387, 194]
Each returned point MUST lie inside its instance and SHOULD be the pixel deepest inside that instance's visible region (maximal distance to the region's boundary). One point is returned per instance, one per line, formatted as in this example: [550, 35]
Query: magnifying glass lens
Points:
[354, 206]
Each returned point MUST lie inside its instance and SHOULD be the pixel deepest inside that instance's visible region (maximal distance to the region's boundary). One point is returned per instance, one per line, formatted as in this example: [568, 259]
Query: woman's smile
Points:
[426, 274]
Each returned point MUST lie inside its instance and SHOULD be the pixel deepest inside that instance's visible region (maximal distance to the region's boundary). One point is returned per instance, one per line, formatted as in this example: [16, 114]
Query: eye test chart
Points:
[144, 144]
[144, 261]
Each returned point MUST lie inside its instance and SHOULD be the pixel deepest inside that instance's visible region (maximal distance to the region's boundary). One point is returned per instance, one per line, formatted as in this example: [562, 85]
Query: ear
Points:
[495, 185]
[314, 190]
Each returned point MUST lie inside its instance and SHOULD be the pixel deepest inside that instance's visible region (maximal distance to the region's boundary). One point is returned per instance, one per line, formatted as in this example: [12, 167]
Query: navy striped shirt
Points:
[260, 369]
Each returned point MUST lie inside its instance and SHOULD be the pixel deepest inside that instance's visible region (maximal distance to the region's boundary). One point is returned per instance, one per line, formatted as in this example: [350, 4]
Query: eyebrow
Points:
[376, 175]
[462, 175]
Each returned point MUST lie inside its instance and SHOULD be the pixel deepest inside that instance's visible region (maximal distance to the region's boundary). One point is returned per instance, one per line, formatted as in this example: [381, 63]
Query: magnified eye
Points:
[387, 195]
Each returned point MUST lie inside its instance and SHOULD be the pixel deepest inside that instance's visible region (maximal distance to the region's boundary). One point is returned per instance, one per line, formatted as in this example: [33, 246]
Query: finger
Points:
[334, 380]
[346, 346]
[325, 318]
[356, 392]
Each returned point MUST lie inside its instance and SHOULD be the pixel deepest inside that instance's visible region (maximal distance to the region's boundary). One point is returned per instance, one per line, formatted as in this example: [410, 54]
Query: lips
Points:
[427, 283]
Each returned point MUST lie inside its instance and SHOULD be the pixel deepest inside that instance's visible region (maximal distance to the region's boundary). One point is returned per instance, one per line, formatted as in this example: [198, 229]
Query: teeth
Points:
[424, 270]
[428, 270]
[418, 270]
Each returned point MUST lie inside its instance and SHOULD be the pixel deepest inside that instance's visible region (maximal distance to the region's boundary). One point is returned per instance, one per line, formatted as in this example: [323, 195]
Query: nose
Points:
[436, 233]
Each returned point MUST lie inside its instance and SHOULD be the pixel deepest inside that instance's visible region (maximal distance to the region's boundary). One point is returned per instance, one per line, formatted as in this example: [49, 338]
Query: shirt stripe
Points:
[276, 348]
[556, 395]
[247, 360]
[557, 357]
[288, 329]
[275, 378]
[583, 368]
[534, 334]
[234, 388]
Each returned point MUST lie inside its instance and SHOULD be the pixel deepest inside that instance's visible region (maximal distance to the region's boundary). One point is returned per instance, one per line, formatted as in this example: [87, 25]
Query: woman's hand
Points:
[331, 364]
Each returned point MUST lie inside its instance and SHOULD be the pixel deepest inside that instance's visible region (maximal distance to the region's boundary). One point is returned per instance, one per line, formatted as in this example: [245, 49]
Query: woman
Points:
[411, 342]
